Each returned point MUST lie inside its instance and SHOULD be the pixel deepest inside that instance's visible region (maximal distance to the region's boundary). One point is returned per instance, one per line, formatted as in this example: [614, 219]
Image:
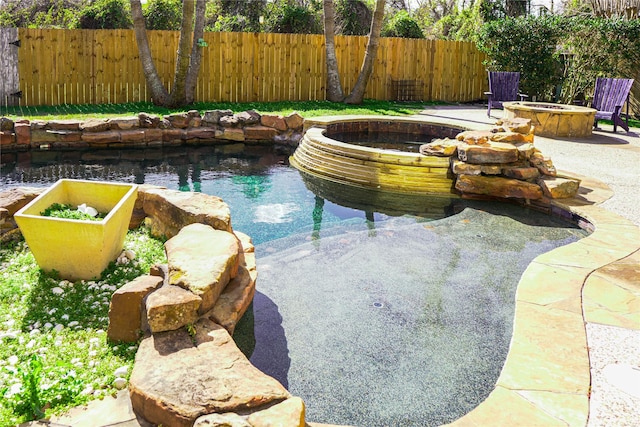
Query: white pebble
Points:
[121, 371]
[130, 254]
[58, 327]
[119, 383]
[35, 331]
[57, 291]
[13, 360]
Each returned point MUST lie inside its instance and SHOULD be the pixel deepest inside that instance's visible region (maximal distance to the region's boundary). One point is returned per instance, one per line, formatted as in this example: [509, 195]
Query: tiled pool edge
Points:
[546, 377]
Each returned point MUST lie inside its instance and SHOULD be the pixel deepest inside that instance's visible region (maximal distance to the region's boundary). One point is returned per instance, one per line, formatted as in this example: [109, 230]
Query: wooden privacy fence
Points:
[102, 66]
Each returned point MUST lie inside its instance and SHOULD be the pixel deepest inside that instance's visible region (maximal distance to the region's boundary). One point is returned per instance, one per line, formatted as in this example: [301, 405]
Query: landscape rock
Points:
[475, 137]
[6, 124]
[294, 121]
[517, 124]
[228, 419]
[177, 378]
[498, 187]
[70, 124]
[15, 199]
[202, 260]
[94, 125]
[523, 173]
[170, 308]
[249, 117]
[290, 413]
[488, 153]
[148, 121]
[229, 121]
[178, 120]
[544, 164]
[231, 134]
[511, 137]
[440, 147]
[124, 123]
[212, 118]
[125, 309]
[23, 132]
[170, 210]
[235, 299]
[276, 122]
[461, 168]
[260, 133]
[559, 188]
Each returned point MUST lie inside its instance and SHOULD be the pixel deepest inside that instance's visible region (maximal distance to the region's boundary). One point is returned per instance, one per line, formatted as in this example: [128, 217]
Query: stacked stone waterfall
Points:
[502, 162]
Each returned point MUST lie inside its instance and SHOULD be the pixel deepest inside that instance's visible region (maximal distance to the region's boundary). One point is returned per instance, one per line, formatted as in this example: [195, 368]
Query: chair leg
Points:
[489, 109]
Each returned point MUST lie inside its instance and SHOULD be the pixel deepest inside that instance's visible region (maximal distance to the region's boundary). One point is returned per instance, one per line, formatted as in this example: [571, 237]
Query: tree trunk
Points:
[178, 95]
[196, 52]
[357, 94]
[159, 94]
[334, 88]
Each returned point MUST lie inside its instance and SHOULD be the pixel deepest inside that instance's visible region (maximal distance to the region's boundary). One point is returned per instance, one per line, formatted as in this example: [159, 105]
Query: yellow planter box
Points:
[78, 249]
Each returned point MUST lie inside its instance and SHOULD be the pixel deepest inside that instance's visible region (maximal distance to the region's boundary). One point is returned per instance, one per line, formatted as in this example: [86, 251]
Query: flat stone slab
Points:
[169, 211]
[178, 378]
[498, 187]
[125, 308]
[171, 307]
[202, 260]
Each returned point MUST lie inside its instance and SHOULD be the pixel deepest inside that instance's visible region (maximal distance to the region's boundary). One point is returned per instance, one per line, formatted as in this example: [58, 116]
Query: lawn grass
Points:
[54, 351]
[304, 108]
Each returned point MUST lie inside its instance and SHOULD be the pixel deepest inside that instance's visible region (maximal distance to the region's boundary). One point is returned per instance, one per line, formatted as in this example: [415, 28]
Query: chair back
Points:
[504, 85]
[610, 93]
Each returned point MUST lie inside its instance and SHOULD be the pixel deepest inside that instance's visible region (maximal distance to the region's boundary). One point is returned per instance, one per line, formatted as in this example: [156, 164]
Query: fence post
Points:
[10, 81]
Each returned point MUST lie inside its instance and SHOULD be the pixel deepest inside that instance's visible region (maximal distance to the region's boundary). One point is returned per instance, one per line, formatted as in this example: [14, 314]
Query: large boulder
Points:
[498, 187]
[178, 377]
[125, 308]
[203, 261]
[168, 211]
[170, 308]
[488, 153]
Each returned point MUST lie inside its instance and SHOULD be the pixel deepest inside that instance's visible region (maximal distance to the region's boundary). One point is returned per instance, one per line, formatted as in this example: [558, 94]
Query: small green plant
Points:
[65, 211]
[54, 351]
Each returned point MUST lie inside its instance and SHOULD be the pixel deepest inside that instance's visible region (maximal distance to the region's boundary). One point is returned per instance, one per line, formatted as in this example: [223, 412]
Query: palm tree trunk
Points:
[357, 94]
[159, 94]
[178, 92]
[196, 52]
[334, 87]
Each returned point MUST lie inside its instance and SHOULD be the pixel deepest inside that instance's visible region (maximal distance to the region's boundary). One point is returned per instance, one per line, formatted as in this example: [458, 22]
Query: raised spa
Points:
[377, 164]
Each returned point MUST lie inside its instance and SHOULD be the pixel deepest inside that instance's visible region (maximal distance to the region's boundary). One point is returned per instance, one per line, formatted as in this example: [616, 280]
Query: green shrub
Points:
[287, 16]
[105, 14]
[528, 45]
[163, 14]
[402, 25]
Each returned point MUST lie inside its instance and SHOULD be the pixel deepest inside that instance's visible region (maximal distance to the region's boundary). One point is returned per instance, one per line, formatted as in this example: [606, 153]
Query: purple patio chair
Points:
[608, 98]
[503, 87]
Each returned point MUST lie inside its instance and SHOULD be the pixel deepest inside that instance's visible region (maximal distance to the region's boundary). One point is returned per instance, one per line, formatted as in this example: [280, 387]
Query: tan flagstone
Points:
[504, 407]
[548, 351]
[546, 284]
[570, 408]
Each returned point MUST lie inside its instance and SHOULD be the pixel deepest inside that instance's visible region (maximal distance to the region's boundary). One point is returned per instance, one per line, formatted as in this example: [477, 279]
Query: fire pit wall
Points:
[554, 120]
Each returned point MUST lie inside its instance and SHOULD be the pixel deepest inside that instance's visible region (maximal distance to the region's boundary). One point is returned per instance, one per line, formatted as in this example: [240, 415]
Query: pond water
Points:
[376, 309]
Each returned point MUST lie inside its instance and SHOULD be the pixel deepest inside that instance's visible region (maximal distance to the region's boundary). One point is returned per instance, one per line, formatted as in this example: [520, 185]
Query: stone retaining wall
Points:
[144, 130]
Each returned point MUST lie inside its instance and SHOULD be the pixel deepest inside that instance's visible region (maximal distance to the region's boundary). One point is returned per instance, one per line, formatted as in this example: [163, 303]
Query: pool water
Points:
[394, 141]
[376, 309]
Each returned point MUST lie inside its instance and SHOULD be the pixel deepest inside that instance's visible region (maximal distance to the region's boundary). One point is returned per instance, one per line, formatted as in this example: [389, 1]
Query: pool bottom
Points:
[401, 325]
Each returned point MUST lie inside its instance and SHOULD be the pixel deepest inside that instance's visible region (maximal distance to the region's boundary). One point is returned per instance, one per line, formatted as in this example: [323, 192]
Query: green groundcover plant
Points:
[54, 352]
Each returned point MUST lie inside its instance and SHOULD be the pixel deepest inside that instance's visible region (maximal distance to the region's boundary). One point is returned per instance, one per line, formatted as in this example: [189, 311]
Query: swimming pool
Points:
[372, 317]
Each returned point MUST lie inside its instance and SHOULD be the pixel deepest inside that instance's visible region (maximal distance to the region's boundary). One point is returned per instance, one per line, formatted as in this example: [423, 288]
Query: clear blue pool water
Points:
[376, 309]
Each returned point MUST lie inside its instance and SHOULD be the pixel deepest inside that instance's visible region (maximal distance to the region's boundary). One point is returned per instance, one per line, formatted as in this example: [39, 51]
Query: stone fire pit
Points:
[554, 120]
